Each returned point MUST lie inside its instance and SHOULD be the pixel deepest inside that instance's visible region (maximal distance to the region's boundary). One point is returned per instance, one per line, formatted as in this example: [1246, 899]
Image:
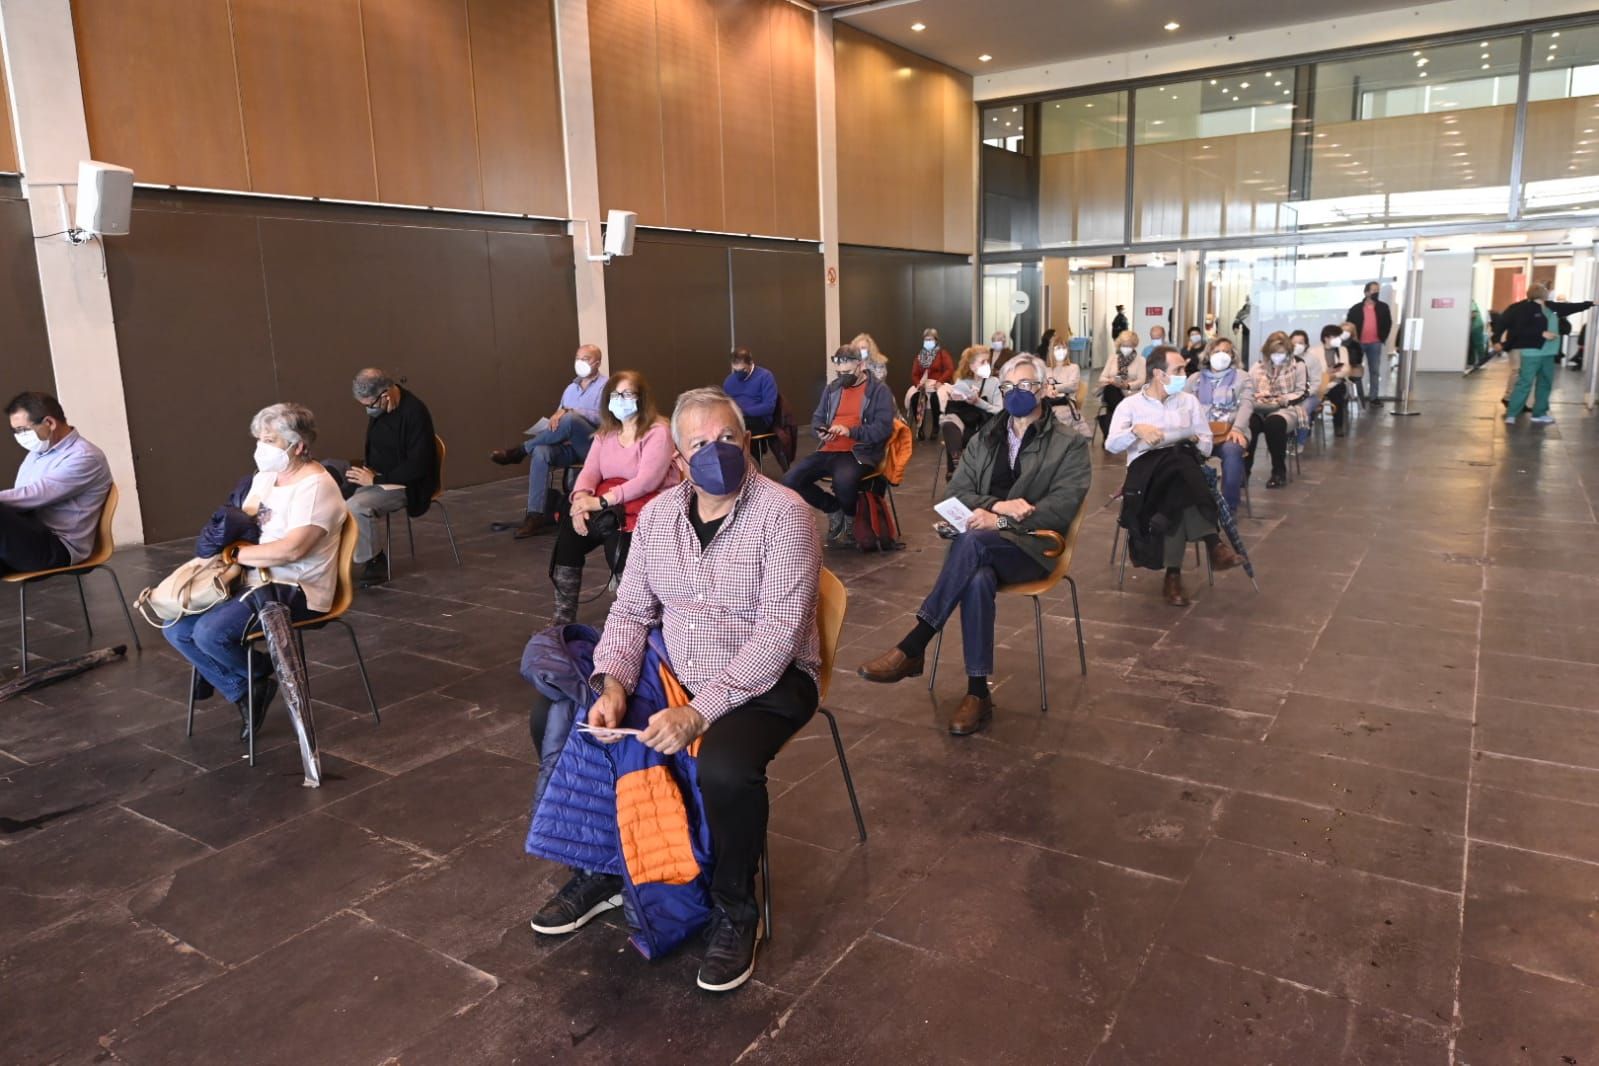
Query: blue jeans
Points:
[214, 641]
[977, 564]
[1234, 472]
[1374, 370]
[842, 467]
[565, 445]
[1536, 370]
[1311, 406]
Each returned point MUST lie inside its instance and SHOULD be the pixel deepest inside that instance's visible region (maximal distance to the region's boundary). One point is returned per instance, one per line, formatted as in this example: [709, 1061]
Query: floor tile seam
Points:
[1079, 856]
[333, 747]
[211, 849]
[1372, 702]
[774, 1029]
[1282, 746]
[1287, 748]
[1372, 875]
[1290, 799]
[1456, 1015]
[1518, 967]
[1488, 842]
[1316, 990]
[432, 856]
[1475, 751]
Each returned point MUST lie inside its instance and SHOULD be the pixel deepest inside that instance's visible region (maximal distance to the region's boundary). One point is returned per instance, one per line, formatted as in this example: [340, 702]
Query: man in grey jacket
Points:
[1021, 474]
[853, 423]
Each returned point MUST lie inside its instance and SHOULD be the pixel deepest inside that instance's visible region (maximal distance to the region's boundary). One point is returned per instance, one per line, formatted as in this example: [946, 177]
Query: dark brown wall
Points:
[22, 333]
[895, 295]
[680, 302]
[224, 305]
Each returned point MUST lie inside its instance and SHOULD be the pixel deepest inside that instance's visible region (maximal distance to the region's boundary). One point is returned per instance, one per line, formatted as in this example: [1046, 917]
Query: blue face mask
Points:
[623, 407]
[718, 468]
[1020, 403]
[1176, 383]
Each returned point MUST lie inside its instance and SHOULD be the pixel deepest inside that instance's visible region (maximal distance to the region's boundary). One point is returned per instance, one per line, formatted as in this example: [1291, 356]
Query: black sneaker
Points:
[583, 898]
[376, 571]
[730, 955]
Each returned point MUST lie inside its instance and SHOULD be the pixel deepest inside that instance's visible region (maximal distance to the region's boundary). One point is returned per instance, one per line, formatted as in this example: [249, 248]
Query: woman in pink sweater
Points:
[628, 464]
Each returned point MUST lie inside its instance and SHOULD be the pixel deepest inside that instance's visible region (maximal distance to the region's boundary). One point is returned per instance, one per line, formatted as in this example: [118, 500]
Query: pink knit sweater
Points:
[646, 464]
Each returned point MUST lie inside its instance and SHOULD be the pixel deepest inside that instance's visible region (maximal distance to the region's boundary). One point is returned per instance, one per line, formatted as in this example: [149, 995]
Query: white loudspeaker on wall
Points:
[619, 230]
[105, 199]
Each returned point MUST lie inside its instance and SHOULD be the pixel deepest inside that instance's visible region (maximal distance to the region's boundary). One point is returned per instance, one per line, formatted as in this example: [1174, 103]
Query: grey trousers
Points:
[370, 503]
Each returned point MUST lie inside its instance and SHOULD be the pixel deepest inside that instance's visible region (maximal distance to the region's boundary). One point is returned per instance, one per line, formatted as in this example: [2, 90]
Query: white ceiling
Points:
[1029, 33]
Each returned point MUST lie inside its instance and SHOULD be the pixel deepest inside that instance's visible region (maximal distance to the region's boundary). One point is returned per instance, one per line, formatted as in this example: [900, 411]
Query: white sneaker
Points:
[1510, 420]
[1544, 420]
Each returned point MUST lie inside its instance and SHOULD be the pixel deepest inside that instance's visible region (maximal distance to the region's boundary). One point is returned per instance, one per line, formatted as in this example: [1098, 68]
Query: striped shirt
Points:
[735, 614]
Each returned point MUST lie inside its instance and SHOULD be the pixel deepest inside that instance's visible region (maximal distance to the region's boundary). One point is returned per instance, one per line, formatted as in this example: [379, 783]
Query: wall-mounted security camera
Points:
[105, 201]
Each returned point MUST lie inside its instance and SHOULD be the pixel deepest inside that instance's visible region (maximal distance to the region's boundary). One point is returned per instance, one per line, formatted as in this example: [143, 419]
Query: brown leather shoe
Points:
[971, 716]
[532, 525]
[1222, 556]
[1174, 590]
[511, 456]
[891, 666]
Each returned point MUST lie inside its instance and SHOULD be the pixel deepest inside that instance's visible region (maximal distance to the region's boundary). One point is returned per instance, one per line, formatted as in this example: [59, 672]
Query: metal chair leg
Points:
[449, 530]
[388, 545]
[410, 534]
[22, 619]
[361, 663]
[939, 469]
[84, 603]
[843, 765]
[1077, 615]
[1043, 681]
[892, 507]
[249, 698]
[1121, 578]
[766, 891]
[133, 630]
[194, 675]
[1115, 542]
[938, 646]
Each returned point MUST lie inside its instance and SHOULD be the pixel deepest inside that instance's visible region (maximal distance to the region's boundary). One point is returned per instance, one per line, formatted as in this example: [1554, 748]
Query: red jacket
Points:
[941, 370]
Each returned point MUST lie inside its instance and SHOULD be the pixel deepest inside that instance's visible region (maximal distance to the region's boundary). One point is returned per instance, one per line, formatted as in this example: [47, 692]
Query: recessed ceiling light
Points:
[1555, 34]
[984, 58]
[1485, 44]
[918, 27]
[1243, 85]
[1173, 26]
[1485, 66]
[1014, 110]
[1415, 53]
[1287, 93]
[1422, 62]
[1268, 73]
[1213, 81]
[1088, 105]
[1424, 74]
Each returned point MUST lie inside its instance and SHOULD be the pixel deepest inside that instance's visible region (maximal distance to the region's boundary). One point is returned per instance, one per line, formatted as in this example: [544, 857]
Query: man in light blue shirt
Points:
[49, 518]
[1157, 339]
[562, 440]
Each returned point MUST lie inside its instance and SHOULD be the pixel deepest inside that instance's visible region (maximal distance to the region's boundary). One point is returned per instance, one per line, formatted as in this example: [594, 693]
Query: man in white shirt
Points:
[1155, 422]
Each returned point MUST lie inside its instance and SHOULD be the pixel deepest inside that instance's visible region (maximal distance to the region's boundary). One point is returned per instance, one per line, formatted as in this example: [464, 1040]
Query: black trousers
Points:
[846, 473]
[572, 547]
[25, 544]
[1276, 431]
[1109, 399]
[1338, 396]
[734, 754]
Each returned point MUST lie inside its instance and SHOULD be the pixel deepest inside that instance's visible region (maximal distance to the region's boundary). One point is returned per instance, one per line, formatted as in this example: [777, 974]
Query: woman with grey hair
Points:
[300, 511]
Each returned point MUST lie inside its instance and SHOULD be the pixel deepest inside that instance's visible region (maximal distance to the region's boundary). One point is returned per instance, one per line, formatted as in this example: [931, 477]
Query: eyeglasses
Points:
[1026, 386]
[840, 360]
[625, 395]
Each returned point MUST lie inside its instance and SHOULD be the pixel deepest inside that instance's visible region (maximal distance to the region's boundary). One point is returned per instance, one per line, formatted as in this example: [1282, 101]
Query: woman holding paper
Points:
[1022, 473]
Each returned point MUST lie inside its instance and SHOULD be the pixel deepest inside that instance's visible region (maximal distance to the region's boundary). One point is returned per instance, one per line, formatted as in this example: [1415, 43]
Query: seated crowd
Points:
[711, 646]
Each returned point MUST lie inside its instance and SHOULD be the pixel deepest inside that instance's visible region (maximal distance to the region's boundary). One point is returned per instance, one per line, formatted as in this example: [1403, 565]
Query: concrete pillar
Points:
[827, 163]
[41, 62]
[582, 169]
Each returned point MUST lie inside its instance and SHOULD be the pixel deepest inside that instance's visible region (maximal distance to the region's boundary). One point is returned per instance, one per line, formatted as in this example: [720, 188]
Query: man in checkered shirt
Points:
[727, 564]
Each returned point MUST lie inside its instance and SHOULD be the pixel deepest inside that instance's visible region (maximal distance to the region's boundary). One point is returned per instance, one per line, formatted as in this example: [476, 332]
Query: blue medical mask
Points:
[929, 344]
[718, 468]
[1176, 383]
[623, 407]
[1020, 403]
[743, 372]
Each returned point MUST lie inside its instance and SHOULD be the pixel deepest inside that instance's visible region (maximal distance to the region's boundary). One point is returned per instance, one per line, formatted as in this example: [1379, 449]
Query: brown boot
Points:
[511, 456]
[1222, 556]
[532, 525]
[1173, 590]
[891, 666]
[971, 716]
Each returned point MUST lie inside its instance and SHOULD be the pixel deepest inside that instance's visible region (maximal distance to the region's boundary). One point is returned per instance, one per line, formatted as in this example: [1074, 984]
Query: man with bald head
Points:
[400, 470]
[563, 440]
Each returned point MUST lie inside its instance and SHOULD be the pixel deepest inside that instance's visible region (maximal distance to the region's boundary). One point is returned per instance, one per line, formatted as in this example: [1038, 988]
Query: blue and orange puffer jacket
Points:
[620, 808]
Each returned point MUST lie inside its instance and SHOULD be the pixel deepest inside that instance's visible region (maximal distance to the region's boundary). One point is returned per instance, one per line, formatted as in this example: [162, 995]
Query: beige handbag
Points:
[193, 588]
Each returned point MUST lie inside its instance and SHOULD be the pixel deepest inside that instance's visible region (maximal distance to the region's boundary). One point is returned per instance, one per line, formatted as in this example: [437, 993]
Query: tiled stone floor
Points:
[1351, 819]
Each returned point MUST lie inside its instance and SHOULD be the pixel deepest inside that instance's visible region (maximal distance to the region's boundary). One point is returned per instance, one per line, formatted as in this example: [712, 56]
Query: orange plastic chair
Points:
[99, 558]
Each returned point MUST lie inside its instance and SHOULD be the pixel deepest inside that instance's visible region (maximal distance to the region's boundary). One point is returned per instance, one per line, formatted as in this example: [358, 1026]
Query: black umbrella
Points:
[59, 671]
[1229, 523]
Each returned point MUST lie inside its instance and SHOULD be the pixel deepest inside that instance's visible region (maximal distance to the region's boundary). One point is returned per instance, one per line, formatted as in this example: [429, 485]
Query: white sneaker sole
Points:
[741, 978]
[571, 927]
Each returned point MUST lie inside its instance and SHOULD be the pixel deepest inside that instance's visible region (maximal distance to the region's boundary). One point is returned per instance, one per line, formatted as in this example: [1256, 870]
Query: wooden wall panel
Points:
[779, 314]
[895, 295]
[8, 143]
[160, 91]
[301, 76]
[419, 81]
[669, 309]
[797, 192]
[749, 151]
[516, 84]
[627, 108]
[906, 149]
[23, 337]
[691, 127]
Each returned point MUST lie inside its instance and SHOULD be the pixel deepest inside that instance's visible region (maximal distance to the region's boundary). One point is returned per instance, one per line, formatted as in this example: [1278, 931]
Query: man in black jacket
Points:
[1374, 323]
[1532, 333]
[401, 466]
